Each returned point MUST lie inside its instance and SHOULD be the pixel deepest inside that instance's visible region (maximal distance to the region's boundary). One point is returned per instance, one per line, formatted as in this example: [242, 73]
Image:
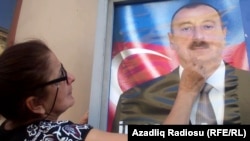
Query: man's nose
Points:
[198, 34]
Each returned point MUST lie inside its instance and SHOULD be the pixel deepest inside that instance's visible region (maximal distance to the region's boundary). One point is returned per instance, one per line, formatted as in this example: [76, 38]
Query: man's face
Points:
[198, 32]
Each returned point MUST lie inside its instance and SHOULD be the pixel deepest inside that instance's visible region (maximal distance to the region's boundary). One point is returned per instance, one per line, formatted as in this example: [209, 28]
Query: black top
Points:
[46, 130]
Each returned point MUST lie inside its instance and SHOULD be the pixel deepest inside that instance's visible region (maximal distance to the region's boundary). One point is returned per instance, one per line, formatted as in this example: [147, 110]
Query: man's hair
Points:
[194, 5]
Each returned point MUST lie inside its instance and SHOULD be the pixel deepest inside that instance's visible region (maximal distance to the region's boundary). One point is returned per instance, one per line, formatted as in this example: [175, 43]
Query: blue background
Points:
[245, 13]
[7, 9]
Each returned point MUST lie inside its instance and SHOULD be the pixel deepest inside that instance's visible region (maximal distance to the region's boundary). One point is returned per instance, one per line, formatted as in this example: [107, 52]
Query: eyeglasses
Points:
[64, 77]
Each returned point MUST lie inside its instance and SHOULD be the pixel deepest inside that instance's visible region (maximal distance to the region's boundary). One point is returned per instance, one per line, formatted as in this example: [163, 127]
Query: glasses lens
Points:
[64, 77]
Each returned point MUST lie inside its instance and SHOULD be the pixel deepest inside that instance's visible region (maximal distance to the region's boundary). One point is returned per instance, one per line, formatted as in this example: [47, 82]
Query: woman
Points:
[35, 90]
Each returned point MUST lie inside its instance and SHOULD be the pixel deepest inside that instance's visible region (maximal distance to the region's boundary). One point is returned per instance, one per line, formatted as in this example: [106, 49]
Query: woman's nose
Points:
[71, 78]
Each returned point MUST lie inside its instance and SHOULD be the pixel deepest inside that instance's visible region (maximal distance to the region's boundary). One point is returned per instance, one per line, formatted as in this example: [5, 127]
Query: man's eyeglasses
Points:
[64, 77]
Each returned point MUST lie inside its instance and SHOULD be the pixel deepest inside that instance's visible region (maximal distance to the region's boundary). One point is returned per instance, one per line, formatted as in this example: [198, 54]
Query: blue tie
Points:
[205, 114]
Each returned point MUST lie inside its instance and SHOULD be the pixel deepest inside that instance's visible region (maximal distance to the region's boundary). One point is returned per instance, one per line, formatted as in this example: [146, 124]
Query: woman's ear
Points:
[34, 105]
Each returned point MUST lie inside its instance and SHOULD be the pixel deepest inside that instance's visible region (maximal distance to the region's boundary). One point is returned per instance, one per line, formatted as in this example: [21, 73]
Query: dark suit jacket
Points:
[151, 102]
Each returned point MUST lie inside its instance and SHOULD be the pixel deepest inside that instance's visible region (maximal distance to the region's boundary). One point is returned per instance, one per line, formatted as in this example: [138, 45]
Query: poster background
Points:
[7, 8]
[140, 46]
[7, 11]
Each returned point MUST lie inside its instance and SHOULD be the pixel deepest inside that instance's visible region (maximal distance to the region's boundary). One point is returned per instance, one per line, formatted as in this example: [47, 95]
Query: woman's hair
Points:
[23, 67]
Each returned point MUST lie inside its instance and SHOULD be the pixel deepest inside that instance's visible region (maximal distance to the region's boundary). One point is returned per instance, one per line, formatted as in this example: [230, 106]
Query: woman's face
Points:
[60, 92]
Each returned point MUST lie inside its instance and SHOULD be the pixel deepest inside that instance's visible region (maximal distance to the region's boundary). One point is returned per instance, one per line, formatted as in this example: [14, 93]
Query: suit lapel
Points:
[232, 112]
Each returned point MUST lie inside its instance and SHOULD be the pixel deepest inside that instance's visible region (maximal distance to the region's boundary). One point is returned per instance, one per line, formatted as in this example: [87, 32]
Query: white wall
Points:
[68, 27]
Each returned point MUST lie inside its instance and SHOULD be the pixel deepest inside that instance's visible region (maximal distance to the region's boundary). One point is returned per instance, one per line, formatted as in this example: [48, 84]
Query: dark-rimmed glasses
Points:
[64, 77]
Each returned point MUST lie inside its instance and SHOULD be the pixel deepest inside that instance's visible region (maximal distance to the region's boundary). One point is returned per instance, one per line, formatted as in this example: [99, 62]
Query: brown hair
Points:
[22, 67]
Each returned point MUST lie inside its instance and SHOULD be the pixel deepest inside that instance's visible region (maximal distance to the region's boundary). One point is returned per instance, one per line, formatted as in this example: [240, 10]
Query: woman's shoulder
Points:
[60, 130]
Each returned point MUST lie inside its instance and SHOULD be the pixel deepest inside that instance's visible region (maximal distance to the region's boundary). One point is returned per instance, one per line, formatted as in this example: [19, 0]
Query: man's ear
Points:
[225, 32]
[34, 105]
[170, 38]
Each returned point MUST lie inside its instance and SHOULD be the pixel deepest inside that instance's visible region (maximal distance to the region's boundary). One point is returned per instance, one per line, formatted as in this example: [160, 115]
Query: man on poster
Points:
[198, 36]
